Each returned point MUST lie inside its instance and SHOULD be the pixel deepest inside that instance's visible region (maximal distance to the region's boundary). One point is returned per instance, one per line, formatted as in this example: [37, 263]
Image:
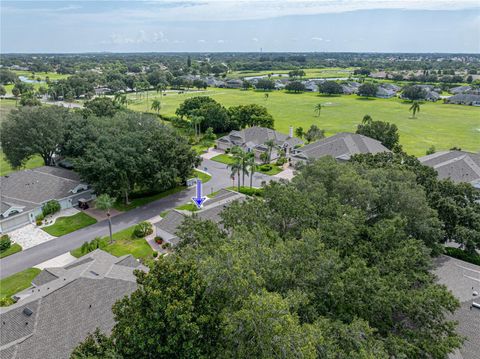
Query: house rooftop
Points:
[213, 207]
[30, 188]
[340, 146]
[459, 166]
[258, 136]
[462, 278]
[65, 304]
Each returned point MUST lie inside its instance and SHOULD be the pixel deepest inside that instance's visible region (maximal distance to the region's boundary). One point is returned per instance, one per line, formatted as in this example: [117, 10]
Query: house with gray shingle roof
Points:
[464, 99]
[462, 279]
[341, 146]
[25, 192]
[459, 166]
[253, 139]
[167, 227]
[65, 304]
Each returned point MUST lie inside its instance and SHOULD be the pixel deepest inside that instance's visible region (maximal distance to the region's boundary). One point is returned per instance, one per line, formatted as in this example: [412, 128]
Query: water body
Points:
[29, 81]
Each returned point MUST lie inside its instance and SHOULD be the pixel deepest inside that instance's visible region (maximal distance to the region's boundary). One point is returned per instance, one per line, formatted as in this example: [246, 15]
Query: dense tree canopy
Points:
[295, 86]
[367, 89]
[413, 92]
[126, 153]
[251, 115]
[32, 131]
[265, 84]
[101, 106]
[330, 88]
[334, 264]
[386, 133]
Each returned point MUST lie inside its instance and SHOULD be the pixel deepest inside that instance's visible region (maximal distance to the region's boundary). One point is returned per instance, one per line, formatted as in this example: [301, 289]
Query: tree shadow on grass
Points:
[365, 98]
[325, 95]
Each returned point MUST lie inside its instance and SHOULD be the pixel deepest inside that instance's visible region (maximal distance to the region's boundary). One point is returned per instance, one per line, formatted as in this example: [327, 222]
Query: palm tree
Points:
[156, 106]
[265, 97]
[120, 99]
[367, 119]
[415, 108]
[105, 203]
[237, 165]
[299, 132]
[16, 93]
[252, 166]
[318, 109]
[270, 145]
[196, 122]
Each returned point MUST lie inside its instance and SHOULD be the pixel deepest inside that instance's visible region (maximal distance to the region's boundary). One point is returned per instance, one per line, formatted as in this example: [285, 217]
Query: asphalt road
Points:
[60, 245]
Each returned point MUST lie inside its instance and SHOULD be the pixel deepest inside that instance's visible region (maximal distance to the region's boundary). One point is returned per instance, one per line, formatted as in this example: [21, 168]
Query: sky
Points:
[446, 26]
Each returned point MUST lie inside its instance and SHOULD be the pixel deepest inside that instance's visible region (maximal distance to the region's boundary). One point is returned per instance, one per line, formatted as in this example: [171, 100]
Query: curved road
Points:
[60, 245]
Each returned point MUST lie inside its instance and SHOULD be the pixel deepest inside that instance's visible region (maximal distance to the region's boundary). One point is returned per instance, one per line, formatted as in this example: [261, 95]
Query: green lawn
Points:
[275, 170]
[137, 202]
[14, 248]
[202, 176]
[438, 124]
[123, 243]
[65, 225]
[326, 72]
[223, 158]
[17, 282]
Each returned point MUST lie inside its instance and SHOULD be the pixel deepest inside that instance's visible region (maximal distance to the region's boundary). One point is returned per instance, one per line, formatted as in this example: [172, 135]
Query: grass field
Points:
[17, 282]
[327, 72]
[438, 124]
[14, 248]
[124, 243]
[65, 225]
[42, 75]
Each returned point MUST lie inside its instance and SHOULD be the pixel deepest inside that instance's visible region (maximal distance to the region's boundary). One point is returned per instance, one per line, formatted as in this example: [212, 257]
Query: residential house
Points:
[460, 89]
[167, 227]
[459, 166]
[432, 96]
[464, 99]
[350, 88]
[253, 139]
[387, 91]
[64, 304]
[463, 281]
[25, 192]
[234, 84]
[341, 146]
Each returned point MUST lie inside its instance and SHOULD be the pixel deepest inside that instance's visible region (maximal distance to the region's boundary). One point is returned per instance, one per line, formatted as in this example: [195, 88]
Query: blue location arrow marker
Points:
[199, 199]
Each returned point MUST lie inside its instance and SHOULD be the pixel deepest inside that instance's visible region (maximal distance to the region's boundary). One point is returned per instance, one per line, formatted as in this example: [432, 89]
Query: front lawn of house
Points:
[223, 158]
[16, 283]
[65, 225]
[202, 176]
[124, 242]
[14, 248]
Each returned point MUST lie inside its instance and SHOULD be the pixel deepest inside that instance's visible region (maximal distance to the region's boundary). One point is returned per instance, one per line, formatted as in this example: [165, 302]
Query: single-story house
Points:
[462, 279]
[253, 139]
[350, 87]
[341, 146]
[464, 99]
[383, 92]
[102, 91]
[25, 192]
[460, 89]
[234, 84]
[432, 96]
[459, 166]
[167, 227]
[64, 304]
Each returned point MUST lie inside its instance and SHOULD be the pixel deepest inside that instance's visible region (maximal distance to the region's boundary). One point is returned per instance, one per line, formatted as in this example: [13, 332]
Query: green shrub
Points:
[51, 207]
[166, 245]
[253, 192]
[6, 301]
[462, 255]
[143, 229]
[227, 150]
[5, 242]
[281, 161]
[265, 168]
[158, 240]
[155, 254]
[88, 247]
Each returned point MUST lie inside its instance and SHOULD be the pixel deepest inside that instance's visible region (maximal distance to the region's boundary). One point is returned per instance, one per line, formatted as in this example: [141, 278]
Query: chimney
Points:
[290, 134]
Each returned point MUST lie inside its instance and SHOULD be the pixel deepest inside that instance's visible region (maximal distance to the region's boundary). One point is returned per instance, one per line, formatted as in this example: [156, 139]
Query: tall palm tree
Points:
[120, 99]
[265, 97]
[252, 166]
[15, 93]
[318, 109]
[237, 165]
[156, 106]
[270, 145]
[415, 108]
[367, 119]
[299, 132]
[105, 203]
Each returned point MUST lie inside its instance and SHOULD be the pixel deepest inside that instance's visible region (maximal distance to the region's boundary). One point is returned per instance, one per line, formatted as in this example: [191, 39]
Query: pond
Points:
[29, 81]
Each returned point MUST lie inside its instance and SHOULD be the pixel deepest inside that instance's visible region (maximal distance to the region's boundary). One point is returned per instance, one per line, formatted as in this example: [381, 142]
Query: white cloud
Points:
[255, 39]
[317, 39]
[220, 41]
[201, 41]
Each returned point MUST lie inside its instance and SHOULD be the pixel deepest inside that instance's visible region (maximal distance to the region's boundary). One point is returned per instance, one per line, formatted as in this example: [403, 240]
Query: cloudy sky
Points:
[240, 25]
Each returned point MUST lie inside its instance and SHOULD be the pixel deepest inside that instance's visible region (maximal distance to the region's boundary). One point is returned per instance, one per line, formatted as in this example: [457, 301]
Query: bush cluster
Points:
[50, 207]
[143, 229]
[5, 242]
